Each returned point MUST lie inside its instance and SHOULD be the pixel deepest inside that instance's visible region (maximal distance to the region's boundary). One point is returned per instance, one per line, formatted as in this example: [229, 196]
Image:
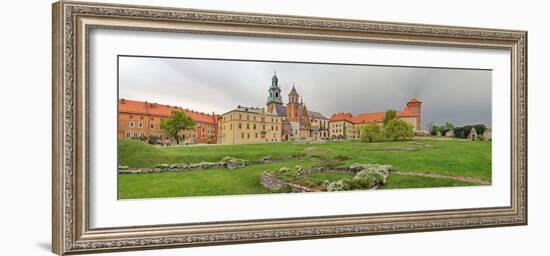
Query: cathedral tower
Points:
[274, 97]
[293, 106]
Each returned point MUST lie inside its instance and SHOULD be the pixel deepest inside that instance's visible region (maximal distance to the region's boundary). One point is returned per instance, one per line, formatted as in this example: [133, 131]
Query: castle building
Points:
[319, 126]
[249, 125]
[347, 126]
[274, 123]
[298, 123]
[141, 119]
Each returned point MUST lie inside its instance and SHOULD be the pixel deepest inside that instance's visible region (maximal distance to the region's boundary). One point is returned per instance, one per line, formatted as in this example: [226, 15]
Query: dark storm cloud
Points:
[449, 95]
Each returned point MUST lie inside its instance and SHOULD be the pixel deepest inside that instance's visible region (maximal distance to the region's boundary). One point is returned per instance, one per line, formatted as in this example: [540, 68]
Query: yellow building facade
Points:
[249, 125]
[342, 129]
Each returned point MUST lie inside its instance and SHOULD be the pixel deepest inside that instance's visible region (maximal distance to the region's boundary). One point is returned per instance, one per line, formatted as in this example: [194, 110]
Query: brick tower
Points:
[415, 106]
[293, 106]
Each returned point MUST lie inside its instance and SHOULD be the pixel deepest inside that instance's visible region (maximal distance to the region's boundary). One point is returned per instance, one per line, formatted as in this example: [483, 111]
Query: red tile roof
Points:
[414, 100]
[154, 109]
[370, 117]
[341, 117]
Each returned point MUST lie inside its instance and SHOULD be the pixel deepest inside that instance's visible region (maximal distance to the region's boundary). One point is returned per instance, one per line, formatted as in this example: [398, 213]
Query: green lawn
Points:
[451, 158]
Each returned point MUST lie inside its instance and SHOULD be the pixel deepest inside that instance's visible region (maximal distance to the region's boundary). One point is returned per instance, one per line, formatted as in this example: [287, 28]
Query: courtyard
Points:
[420, 163]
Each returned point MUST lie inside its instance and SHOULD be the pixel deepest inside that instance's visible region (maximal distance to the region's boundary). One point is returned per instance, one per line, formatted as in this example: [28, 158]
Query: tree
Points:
[449, 126]
[463, 132]
[398, 129]
[442, 129]
[179, 121]
[372, 133]
[391, 114]
[480, 128]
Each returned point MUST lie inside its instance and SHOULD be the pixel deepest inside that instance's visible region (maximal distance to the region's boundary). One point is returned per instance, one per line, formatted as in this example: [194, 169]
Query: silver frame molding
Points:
[72, 22]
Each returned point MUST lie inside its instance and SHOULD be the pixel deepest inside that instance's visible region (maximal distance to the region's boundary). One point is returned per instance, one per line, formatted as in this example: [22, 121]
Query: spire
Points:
[274, 90]
[274, 79]
[293, 91]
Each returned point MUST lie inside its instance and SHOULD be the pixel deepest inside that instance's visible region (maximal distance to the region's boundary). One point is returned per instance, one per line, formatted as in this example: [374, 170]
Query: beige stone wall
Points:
[238, 127]
[336, 130]
[304, 134]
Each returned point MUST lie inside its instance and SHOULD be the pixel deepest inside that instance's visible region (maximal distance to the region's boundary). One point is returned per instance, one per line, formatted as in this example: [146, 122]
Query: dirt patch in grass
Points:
[316, 150]
[439, 176]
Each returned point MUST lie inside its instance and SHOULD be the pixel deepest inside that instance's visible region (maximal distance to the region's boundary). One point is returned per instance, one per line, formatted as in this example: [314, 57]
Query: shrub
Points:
[372, 133]
[398, 129]
[153, 140]
[336, 186]
[384, 169]
[370, 179]
[283, 169]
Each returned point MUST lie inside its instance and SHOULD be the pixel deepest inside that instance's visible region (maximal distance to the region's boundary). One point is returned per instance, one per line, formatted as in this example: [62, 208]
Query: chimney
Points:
[123, 101]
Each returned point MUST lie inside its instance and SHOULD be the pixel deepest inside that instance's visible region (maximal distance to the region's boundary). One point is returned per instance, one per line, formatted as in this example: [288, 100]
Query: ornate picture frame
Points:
[72, 23]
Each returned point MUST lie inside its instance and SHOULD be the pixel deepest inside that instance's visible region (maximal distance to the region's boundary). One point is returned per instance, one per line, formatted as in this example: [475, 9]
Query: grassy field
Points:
[450, 158]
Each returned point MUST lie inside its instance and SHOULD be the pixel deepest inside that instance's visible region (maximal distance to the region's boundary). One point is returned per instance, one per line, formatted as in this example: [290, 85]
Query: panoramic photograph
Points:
[214, 127]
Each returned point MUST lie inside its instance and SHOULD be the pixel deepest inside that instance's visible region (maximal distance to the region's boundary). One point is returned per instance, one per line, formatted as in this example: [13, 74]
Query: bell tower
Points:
[274, 97]
[293, 106]
[415, 106]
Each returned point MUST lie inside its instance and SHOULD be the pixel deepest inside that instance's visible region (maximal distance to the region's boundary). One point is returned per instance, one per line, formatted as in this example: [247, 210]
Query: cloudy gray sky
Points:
[458, 96]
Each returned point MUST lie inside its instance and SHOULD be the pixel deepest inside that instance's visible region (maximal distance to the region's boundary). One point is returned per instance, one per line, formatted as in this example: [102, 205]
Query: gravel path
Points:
[439, 176]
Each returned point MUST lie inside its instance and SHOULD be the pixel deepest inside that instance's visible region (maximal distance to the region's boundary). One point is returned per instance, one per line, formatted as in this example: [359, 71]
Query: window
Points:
[240, 117]
[140, 125]
[247, 117]
[152, 118]
[242, 135]
[256, 135]
[240, 126]
[276, 128]
[248, 135]
[263, 127]
[254, 118]
[131, 124]
[247, 126]
[254, 127]
[127, 134]
[152, 126]
[140, 117]
[131, 117]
